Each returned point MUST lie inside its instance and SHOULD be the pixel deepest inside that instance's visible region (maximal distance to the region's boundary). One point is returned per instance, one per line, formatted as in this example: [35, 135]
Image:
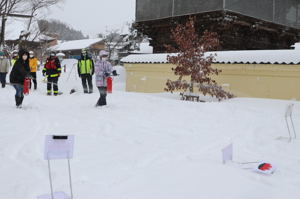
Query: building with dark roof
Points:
[241, 24]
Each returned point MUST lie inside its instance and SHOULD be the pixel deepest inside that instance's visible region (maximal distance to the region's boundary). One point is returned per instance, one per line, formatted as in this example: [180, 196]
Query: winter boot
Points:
[98, 103]
[21, 100]
[17, 100]
[101, 101]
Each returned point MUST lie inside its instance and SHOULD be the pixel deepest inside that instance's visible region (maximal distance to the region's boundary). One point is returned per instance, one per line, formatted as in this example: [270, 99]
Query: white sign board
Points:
[59, 147]
[227, 153]
[56, 195]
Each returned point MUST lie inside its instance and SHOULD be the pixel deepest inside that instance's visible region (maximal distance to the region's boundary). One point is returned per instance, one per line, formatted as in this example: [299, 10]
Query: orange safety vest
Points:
[33, 64]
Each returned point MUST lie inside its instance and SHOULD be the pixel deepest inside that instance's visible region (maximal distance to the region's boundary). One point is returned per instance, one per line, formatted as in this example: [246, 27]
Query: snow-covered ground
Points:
[146, 146]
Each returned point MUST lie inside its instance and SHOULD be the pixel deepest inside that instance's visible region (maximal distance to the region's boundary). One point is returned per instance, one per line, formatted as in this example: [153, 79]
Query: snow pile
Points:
[146, 146]
[144, 48]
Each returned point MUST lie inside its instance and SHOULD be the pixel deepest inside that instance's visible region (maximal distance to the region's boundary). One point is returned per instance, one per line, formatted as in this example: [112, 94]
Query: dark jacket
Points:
[19, 71]
[52, 67]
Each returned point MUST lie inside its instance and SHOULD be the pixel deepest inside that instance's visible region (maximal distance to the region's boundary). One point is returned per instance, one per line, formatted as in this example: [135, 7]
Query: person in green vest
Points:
[86, 71]
[15, 57]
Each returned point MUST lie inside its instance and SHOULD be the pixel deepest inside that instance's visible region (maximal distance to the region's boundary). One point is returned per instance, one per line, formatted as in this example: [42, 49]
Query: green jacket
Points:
[13, 61]
[85, 66]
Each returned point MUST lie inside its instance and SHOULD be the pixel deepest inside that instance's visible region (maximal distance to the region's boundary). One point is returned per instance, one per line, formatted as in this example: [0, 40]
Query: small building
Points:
[258, 73]
[72, 49]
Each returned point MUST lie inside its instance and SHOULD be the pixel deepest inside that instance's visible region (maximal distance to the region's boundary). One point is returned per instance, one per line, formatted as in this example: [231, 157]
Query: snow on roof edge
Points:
[230, 57]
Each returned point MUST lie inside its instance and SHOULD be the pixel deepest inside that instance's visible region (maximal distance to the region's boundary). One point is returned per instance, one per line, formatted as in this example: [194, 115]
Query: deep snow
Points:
[146, 146]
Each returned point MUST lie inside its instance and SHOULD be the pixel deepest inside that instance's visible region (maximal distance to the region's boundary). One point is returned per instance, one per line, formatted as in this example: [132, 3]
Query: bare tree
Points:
[113, 40]
[117, 43]
[10, 8]
[36, 5]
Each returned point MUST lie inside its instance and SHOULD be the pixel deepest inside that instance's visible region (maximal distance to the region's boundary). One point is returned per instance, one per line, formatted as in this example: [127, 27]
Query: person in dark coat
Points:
[18, 74]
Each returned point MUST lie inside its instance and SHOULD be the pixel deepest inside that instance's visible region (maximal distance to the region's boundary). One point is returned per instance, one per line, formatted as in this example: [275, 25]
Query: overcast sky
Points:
[94, 16]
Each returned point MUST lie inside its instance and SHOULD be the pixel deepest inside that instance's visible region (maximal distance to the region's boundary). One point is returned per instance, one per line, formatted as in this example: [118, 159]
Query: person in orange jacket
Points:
[33, 64]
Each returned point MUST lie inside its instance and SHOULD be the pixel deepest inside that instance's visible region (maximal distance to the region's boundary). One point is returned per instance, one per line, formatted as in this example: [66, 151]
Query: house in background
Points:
[241, 24]
[72, 49]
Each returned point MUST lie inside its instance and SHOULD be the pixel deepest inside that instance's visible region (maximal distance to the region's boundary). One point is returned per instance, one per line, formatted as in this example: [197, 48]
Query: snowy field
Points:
[146, 146]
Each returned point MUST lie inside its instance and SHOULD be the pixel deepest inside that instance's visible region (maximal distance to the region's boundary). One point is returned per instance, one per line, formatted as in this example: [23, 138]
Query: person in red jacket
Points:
[52, 70]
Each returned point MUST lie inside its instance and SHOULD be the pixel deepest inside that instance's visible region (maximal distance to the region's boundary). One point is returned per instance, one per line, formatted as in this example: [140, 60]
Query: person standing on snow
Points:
[18, 74]
[15, 57]
[33, 64]
[52, 70]
[4, 68]
[86, 71]
[103, 69]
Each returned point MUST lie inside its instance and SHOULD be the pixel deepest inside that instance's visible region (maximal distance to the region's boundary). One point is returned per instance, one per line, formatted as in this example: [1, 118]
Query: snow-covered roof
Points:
[75, 45]
[43, 37]
[16, 27]
[234, 57]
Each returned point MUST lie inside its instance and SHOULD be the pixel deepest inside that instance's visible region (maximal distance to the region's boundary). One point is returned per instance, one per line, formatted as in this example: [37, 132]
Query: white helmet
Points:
[103, 53]
[31, 53]
[15, 53]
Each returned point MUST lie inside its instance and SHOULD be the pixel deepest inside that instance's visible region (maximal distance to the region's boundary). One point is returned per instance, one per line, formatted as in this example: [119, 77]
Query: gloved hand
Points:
[114, 73]
[106, 74]
[28, 77]
[44, 74]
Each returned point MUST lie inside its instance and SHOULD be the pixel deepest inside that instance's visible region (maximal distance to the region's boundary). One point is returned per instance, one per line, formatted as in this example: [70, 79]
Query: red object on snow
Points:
[109, 84]
[26, 86]
[265, 166]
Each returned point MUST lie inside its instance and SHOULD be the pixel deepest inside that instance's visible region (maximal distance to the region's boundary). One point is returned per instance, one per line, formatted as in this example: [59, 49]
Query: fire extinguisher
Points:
[109, 84]
[26, 86]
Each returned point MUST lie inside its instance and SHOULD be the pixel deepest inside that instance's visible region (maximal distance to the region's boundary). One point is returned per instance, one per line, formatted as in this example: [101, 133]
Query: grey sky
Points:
[95, 16]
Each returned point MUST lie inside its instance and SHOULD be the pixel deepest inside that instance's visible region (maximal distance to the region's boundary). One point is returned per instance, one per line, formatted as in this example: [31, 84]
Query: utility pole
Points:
[4, 18]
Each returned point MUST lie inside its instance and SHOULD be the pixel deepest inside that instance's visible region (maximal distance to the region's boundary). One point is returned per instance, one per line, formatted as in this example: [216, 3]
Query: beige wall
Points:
[243, 80]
